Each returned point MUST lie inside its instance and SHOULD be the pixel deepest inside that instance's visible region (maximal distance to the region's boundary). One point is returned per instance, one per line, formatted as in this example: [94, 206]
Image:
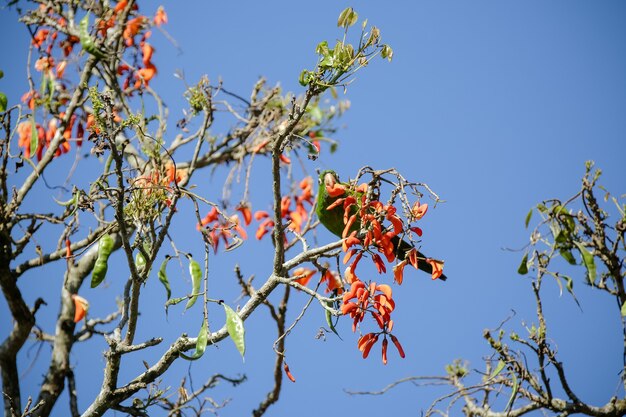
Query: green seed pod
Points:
[105, 247]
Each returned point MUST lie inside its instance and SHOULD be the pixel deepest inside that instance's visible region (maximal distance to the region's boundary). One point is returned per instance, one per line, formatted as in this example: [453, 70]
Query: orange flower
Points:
[351, 276]
[398, 272]
[378, 262]
[336, 189]
[385, 343]
[305, 275]
[418, 210]
[174, 175]
[288, 372]
[60, 69]
[234, 219]
[40, 37]
[260, 146]
[160, 17]
[24, 131]
[398, 345]
[80, 307]
[133, 26]
[210, 217]
[366, 342]
[417, 230]
[45, 65]
[144, 75]
[333, 281]
[437, 267]
[306, 185]
[265, 227]
[350, 241]
[245, 211]
[30, 97]
[285, 204]
[146, 51]
[68, 248]
[296, 221]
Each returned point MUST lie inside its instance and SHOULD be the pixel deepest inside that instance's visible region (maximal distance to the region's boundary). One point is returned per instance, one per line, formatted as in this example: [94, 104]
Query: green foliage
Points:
[457, 369]
[337, 64]
[199, 96]
[523, 267]
[588, 262]
[3, 102]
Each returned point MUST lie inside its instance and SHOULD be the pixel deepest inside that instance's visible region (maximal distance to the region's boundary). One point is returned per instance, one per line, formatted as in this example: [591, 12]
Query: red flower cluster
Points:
[376, 301]
[296, 217]
[374, 227]
[44, 136]
[220, 228]
[333, 282]
[44, 40]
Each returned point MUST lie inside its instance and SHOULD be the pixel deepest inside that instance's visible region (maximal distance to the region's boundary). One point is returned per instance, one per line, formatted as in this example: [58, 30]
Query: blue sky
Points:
[496, 105]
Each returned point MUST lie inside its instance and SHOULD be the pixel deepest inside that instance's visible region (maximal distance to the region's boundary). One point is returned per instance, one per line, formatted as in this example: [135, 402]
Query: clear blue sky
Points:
[496, 105]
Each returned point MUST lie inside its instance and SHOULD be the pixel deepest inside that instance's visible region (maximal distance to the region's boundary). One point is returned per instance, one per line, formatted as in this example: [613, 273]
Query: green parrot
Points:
[333, 219]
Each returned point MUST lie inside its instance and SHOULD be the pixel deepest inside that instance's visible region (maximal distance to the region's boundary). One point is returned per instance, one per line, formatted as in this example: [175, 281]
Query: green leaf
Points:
[163, 277]
[34, 136]
[513, 392]
[499, 368]
[235, 328]
[3, 103]
[1, 74]
[387, 53]
[562, 236]
[196, 279]
[624, 309]
[322, 48]
[570, 287]
[528, 217]
[304, 78]
[523, 267]
[567, 255]
[201, 343]
[329, 320]
[589, 263]
[316, 113]
[347, 18]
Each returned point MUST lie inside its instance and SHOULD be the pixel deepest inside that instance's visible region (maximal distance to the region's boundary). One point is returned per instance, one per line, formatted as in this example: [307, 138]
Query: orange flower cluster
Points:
[374, 227]
[159, 181]
[376, 301]
[261, 147]
[220, 228]
[45, 136]
[133, 28]
[44, 40]
[297, 217]
[331, 278]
